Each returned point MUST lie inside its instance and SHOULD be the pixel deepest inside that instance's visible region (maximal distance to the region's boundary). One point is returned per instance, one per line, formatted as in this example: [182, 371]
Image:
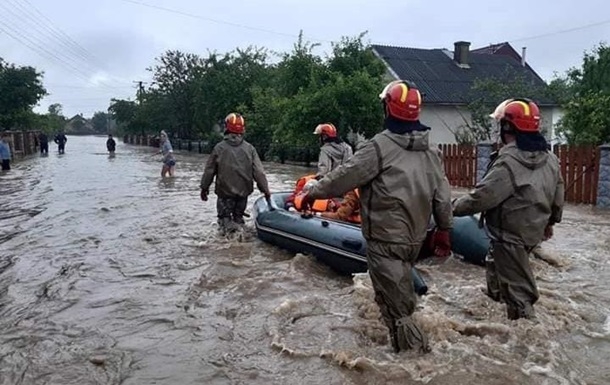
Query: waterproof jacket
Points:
[521, 193]
[5, 150]
[332, 155]
[402, 182]
[110, 144]
[236, 165]
[60, 139]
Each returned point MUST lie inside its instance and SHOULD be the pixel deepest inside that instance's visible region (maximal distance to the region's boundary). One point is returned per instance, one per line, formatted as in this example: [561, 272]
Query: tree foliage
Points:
[586, 119]
[488, 93]
[282, 101]
[101, 122]
[21, 89]
[54, 120]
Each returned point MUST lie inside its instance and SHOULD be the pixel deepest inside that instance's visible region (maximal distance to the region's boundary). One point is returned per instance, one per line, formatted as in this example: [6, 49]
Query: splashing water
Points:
[109, 274]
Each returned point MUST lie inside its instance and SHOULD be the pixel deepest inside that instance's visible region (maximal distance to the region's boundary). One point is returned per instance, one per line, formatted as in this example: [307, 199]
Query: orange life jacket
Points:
[302, 182]
[319, 205]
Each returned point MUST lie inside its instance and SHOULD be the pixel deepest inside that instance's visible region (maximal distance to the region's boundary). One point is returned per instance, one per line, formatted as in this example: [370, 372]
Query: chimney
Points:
[460, 52]
[523, 56]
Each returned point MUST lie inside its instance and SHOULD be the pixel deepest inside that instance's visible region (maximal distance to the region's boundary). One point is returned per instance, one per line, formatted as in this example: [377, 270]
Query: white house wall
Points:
[446, 120]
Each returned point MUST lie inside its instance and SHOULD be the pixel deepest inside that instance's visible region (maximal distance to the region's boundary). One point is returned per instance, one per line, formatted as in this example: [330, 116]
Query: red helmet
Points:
[327, 129]
[235, 123]
[402, 100]
[522, 113]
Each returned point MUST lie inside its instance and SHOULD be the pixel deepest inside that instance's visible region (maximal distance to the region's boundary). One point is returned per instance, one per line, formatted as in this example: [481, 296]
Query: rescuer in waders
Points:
[520, 198]
[333, 151]
[402, 183]
[236, 166]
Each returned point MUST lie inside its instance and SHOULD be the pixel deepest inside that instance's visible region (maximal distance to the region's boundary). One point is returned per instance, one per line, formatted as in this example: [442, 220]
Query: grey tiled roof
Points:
[444, 82]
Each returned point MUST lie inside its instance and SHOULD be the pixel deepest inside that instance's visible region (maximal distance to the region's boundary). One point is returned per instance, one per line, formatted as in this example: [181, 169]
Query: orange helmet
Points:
[327, 129]
[235, 123]
[402, 100]
[522, 113]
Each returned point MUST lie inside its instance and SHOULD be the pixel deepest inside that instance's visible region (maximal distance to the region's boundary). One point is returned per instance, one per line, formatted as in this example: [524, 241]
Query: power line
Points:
[41, 27]
[37, 46]
[218, 21]
[40, 50]
[586, 26]
[91, 88]
[77, 46]
[73, 52]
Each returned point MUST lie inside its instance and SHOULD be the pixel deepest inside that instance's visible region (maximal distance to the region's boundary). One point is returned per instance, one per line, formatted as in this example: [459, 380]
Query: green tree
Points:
[78, 124]
[100, 122]
[587, 120]
[586, 113]
[488, 93]
[299, 69]
[124, 113]
[226, 82]
[21, 89]
[282, 102]
[55, 120]
[174, 77]
[352, 55]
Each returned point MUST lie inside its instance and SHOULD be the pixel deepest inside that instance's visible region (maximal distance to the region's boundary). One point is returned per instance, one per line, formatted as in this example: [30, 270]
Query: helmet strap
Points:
[506, 129]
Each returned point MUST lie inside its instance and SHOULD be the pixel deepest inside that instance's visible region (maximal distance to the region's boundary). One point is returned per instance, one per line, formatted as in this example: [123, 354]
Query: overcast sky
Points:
[117, 39]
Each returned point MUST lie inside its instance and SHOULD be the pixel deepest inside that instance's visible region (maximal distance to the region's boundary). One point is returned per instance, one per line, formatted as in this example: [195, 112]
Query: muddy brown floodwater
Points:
[111, 275]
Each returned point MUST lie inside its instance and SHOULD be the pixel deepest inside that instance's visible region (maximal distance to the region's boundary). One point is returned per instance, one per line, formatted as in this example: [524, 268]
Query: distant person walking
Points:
[43, 140]
[61, 140]
[5, 152]
[110, 144]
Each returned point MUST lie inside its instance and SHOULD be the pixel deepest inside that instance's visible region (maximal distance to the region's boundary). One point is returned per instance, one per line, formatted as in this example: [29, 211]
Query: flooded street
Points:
[111, 275]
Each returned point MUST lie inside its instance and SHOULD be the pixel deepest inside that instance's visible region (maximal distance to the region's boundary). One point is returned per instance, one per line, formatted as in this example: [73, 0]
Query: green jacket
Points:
[402, 182]
[236, 165]
[521, 193]
[332, 155]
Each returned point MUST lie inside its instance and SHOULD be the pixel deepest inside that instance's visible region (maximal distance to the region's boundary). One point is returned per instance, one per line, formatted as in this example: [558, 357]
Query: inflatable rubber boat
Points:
[341, 245]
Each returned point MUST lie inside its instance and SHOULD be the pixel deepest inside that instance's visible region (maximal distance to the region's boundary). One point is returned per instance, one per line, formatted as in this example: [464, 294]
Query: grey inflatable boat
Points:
[341, 245]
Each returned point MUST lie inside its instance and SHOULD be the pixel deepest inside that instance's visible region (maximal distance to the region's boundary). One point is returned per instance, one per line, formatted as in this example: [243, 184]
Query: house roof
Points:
[443, 81]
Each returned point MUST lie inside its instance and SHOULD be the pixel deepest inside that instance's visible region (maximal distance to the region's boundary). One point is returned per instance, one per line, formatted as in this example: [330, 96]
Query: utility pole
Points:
[140, 91]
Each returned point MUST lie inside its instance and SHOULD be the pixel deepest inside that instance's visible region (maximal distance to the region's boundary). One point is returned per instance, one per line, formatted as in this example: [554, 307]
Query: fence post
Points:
[603, 185]
[484, 151]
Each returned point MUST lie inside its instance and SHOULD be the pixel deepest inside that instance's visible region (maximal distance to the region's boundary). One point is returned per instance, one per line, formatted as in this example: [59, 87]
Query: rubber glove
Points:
[442, 243]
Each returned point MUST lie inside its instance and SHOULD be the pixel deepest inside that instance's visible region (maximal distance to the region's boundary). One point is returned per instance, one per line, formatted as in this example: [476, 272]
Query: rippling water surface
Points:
[111, 275]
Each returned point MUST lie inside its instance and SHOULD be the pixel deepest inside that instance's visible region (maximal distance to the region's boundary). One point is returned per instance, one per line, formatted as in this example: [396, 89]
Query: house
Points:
[78, 125]
[446, 81]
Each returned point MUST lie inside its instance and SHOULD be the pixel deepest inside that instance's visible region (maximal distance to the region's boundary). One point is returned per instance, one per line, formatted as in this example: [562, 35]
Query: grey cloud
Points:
[126, 37]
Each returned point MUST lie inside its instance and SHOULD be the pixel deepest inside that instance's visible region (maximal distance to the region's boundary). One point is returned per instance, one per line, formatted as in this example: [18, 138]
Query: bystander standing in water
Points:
[5, 152]
[169, 161]
[61, 140]
[110, 144]
[43, 141]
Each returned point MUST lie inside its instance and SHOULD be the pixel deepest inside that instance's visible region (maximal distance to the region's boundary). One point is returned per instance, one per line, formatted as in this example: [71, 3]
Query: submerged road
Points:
[111, 275]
